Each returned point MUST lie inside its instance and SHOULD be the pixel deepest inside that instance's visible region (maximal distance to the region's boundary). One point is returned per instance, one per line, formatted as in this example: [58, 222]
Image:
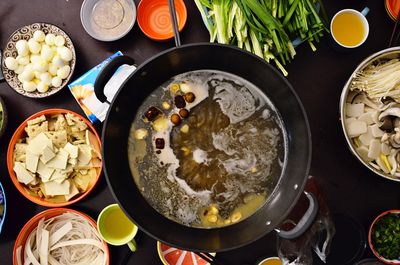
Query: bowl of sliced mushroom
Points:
[370, 113]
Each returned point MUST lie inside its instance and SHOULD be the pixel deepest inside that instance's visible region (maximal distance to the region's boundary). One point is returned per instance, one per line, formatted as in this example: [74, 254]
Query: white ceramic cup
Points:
[361, 15]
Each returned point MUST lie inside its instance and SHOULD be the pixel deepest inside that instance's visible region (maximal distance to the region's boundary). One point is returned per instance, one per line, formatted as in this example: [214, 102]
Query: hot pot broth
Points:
[219, 162]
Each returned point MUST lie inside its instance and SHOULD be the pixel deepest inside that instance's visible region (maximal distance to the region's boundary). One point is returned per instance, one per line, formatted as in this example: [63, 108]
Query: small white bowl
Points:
[87, 8]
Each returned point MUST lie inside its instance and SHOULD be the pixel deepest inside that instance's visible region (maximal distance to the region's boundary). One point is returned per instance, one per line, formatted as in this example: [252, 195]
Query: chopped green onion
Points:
[386, 236]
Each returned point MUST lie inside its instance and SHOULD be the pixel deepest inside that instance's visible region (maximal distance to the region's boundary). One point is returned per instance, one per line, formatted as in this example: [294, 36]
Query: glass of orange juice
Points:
[349, 28]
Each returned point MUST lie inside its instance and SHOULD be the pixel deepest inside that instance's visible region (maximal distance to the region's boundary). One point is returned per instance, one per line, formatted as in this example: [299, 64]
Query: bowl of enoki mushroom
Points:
[370, 113]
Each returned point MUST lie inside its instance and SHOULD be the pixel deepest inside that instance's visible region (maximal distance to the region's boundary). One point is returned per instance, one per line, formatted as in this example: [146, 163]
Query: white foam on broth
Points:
[246, 151]
[200, 156]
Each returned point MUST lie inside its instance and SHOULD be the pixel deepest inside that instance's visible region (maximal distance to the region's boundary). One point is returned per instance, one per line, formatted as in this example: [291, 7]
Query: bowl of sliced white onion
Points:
[38, 60]
[60, 236]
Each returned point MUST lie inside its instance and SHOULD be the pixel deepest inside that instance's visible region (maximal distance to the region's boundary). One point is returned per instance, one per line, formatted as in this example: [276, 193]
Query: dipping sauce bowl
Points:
[108, 20]
[155, 21]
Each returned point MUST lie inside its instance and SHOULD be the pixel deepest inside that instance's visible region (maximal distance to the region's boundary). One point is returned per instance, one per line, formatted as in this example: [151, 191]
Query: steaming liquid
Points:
[231, 158]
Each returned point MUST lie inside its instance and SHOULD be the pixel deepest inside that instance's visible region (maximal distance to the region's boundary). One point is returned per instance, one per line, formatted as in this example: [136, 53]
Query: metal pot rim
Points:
[378, 55]
[268, 227]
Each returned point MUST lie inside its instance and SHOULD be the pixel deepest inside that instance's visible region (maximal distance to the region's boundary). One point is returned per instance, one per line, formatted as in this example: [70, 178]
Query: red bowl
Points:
[18, 134]
[384, 260]
[33, 222]
[154, 18]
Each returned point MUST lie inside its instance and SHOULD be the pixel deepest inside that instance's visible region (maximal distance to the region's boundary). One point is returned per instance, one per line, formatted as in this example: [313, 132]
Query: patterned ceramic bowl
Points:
[173, 256]
[3, 207]
[25, 33]
[3, 117]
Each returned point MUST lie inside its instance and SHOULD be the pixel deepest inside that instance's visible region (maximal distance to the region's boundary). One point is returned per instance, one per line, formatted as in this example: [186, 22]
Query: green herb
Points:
[386, 236]
[264, 27]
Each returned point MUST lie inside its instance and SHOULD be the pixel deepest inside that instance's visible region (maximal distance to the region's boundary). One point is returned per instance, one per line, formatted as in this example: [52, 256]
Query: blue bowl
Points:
[3, 203]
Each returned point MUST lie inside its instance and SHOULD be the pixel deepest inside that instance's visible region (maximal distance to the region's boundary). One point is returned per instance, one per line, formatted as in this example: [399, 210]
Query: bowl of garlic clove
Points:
[38, 60]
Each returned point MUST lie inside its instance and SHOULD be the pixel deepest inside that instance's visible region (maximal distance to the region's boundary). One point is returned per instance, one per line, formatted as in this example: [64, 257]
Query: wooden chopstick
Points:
[174, 20]
[392, 39]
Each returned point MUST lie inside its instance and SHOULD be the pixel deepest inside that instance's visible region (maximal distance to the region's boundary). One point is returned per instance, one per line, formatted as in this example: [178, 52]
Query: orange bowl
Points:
[18, 134]
[173, 256]
[33, 222]
[154, 18]
[392, 8]
[371, 245]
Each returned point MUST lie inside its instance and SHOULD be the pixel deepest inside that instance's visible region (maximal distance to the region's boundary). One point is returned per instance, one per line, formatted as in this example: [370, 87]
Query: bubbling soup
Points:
[207, 148]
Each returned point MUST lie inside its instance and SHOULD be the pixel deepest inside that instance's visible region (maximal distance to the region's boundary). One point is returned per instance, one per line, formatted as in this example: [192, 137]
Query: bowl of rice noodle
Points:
[60, 236]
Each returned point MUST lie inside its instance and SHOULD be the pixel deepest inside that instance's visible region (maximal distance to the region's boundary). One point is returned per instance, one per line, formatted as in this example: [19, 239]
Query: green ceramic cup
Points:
[116, 228]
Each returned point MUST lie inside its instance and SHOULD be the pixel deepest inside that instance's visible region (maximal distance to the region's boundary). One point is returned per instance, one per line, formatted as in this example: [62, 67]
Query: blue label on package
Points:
[83, 91]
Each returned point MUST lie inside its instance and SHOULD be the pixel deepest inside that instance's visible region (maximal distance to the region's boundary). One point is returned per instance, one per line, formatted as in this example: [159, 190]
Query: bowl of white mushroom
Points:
[38, 60]
[370, 113]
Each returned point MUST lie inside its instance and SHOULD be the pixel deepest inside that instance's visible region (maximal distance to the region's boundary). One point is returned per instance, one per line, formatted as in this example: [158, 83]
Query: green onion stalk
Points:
[265, 27]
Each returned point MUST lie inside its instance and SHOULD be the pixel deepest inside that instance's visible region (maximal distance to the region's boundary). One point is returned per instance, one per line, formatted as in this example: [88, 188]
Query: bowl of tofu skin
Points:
[54, 158]
[370, 113]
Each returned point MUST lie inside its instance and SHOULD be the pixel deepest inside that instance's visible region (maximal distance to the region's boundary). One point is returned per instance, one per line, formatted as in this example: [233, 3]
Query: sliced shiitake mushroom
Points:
[387, 100]
[392, 111]
[396, 122]
[386, 124]
[390, 105]
[363, 98]
[394, 140]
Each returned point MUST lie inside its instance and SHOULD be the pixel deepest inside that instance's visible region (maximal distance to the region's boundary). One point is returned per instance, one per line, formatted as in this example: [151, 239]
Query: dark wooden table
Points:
[318, 78]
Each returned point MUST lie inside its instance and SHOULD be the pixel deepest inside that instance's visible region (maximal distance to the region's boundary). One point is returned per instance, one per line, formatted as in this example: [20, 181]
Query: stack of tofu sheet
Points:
[59, 157]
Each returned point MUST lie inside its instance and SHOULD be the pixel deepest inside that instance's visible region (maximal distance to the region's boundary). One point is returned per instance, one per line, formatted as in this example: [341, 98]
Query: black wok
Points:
[147, 78]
